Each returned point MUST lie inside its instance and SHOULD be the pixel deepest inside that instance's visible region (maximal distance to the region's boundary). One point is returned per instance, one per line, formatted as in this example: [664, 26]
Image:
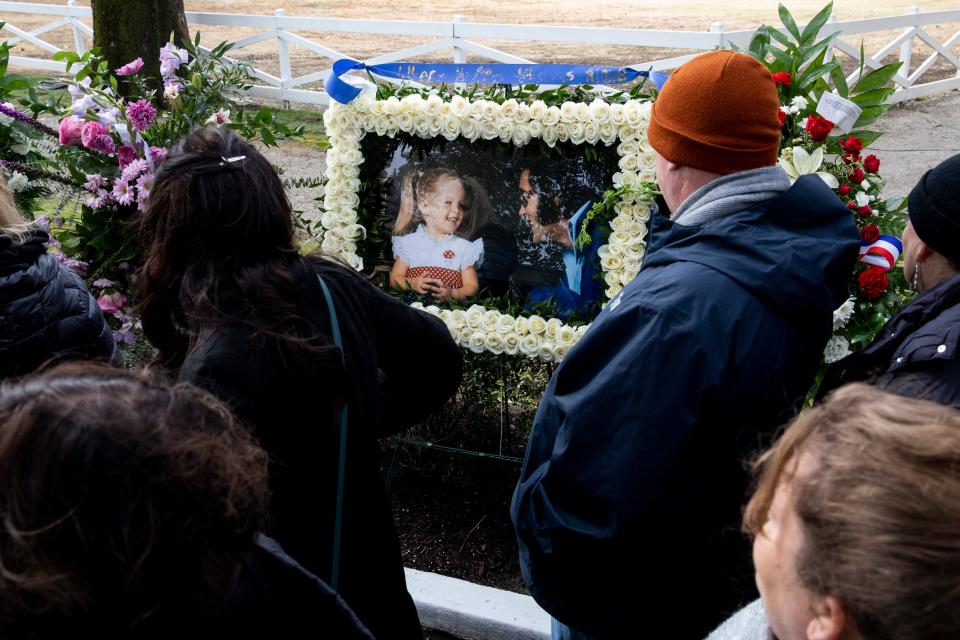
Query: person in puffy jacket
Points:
[916, 353]
[46, 312]
[628, 504]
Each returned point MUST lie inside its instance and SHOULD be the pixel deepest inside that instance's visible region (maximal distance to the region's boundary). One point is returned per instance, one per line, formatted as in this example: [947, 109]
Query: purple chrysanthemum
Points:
[141, 114]
[122, 192]
[133, 169]
[94, 182]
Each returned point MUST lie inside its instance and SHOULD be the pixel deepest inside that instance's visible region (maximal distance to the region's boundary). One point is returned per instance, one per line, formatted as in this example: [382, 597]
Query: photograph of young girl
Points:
[430, 258]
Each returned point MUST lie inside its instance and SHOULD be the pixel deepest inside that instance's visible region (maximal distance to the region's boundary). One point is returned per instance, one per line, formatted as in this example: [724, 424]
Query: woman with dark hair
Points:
[916, 353]
[129, 509]
[231, 304]
[499, 245]
[45, 310]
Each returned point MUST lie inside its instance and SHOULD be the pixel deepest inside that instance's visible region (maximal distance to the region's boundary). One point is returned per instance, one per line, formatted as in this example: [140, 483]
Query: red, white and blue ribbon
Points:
[883, 253]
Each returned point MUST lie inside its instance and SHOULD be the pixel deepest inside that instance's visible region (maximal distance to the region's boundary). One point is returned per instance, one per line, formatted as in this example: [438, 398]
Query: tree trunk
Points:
[129, 29]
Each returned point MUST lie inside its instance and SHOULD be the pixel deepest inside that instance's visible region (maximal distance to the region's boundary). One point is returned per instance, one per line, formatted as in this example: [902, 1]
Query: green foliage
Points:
[603, 212]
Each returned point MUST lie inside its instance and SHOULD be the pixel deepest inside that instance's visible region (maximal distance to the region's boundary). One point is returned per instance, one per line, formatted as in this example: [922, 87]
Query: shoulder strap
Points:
[342, 458]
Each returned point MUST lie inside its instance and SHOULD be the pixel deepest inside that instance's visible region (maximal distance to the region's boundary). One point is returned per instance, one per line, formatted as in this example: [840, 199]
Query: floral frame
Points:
[511, 121]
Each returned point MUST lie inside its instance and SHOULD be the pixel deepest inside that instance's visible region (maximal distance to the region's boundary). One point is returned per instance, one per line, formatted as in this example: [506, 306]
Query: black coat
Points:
[45, 311]
[628, 505]
[916, 352]
[401, 366]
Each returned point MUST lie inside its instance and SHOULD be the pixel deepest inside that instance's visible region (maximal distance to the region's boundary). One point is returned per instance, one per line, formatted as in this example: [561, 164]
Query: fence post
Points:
[78, 43]
[906, 49]
[717, 27]
[459, 55]
[285, 73]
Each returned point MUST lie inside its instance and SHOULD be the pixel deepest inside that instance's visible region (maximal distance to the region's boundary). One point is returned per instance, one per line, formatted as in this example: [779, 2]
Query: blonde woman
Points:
[46, 313]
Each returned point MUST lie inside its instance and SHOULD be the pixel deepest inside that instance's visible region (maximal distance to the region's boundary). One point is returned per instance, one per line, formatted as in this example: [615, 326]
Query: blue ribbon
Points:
[344, 92]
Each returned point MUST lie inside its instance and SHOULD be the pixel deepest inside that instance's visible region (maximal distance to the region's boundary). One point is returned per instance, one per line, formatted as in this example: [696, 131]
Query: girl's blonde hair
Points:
[880, 509]
[416, 185]
[11, 222]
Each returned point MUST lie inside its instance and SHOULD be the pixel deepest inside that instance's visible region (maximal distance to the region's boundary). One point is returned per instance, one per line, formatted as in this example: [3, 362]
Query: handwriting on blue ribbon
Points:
[343, 92]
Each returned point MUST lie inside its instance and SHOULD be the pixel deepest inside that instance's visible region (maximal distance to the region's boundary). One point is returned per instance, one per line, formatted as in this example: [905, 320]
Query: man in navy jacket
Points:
[628, 505]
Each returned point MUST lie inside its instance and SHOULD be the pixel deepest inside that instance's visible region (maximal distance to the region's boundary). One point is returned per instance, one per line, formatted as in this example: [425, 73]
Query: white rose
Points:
[610, 278]
[458, 318]
[647, 161]
[577, 133]
[566, 335]
[637, 230]
[490, 110]
[351, 156]
[489, 130]
[436, 125]
[628, 148]
[628, 133]
[613, 290]
[476, 108]
[530, 344]
[464, 334]
[511, 343]
[391, 106]
[647, 176]
[477, 342]
[450, 128]
[411, 104]
[445, 315]
[474, 317]
[350, 201]
[626, 277]
[561, 352]
[353, 231]
[417, 305]
[582, 112]
[469, 129]
[550, 136]
[522, 114]
[521, 325]
[553, 325]
[629, 179]
[551, 116]
[863, 198]
[628, 163]
[619, 223]
[505, 323]
[433, 104]
[505, 130]
[352, 259]
[568, 112]
[547, 353]
[617, 116]
[377, 108]
[405, 122]
[459, 107]
[331, 244]
[591, 132]
[350, 171]
[521, 135]
[538, 109]
[612, 262]
[608, 133]
[422, 128]
[368, 122]
[328, 219]
[617, 250]
[563, 132]
[494, 343]
[600, 111]
[535, 129]
[508, 109]
[345, 217]
[582, 329]
[632, 113]
[490, 320]
[537, 325]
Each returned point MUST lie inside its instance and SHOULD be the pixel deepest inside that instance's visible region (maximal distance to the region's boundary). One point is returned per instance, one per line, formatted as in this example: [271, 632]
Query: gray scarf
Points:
[750, 623]
[738, 191]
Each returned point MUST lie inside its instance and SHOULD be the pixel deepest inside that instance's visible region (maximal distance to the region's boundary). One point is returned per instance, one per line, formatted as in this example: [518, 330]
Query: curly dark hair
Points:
[219, 238]
[126, 503]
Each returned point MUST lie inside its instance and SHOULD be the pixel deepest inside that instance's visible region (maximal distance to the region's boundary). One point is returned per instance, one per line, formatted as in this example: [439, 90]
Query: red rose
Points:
[844, 189]
[870, 233]
[871, 163]
[782, 117]
[850, 158]
[852, 205]
[782, 78]
[873, 282]
[856, 175]
[853, 144]
[818, 128]
[865, 211]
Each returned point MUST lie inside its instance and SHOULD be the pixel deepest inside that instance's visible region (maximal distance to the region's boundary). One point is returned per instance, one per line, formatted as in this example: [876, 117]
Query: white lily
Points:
[797, 162]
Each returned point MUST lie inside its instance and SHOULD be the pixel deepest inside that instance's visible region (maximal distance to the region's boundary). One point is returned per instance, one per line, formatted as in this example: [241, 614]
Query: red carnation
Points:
[782, 78]
[844, 189]
[865, 211]
[856, 175]
[870, 233]
[871, 163]
[819, 128]
[873, 282]
[852, 205]
[850, 158]
[782, 117]
[853, 144]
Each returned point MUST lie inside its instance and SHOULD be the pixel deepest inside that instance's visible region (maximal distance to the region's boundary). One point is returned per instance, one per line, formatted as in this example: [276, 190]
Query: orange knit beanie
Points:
[718, 113]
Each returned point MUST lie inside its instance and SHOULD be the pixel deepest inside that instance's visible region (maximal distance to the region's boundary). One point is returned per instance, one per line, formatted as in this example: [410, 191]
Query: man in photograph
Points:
[627, 509]
[558, 216]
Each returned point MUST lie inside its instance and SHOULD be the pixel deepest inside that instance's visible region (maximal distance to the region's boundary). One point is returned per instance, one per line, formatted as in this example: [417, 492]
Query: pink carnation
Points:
[71, 129]
[158, 154]
[111, 303]
[130, 68]
[141, 114]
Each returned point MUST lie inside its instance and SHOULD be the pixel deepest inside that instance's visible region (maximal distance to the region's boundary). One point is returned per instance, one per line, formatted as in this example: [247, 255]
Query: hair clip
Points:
[232, 160]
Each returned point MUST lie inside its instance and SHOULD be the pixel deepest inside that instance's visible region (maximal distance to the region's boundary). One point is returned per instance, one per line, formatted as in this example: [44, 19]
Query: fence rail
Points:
[459, 37]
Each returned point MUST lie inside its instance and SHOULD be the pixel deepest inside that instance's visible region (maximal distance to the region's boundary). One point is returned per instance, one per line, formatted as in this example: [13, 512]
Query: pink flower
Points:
[71, 129]
[141, 114]
[97, 137]
[130, 68]
[158, 154]
[125, 155]
[111, 303]
[94, 182]
[134, 169]
[122, 192]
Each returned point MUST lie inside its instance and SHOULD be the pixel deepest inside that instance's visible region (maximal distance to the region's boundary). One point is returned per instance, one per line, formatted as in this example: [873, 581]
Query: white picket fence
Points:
[460, 36]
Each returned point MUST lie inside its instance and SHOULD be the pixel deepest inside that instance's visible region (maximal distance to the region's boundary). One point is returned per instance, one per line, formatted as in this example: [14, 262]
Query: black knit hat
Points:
[934, 207]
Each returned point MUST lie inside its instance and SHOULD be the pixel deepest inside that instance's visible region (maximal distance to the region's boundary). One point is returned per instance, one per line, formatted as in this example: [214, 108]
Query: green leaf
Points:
[789, 22]
[813, 27]
[870, 114]
[267, 137]
[758, 44]
[867, 137]
[812, 73]
[892, 205]
[777, 35]
[873, 97]
[264, 115]
[840, 81]
[877, 78]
